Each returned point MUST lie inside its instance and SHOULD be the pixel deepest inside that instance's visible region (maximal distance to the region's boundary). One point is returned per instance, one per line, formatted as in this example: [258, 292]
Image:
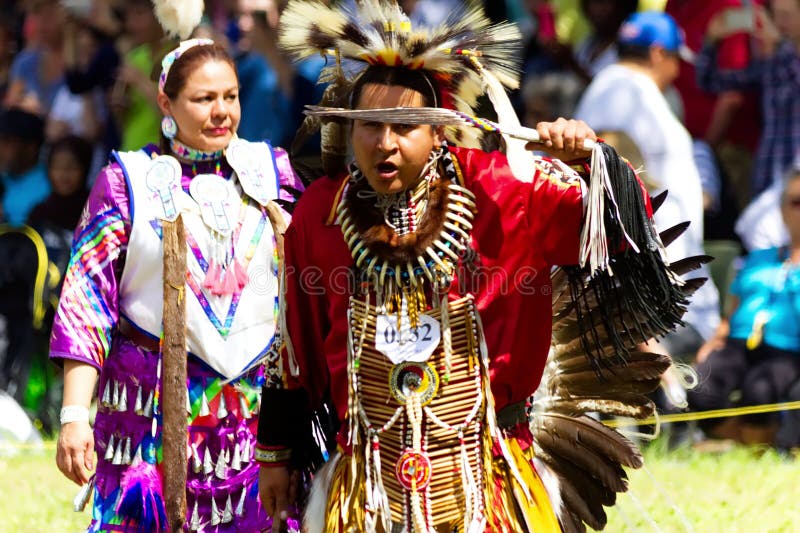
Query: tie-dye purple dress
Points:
[222, 491]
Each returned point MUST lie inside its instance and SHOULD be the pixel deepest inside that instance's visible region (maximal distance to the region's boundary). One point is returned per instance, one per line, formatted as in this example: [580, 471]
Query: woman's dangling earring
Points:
[169, 127]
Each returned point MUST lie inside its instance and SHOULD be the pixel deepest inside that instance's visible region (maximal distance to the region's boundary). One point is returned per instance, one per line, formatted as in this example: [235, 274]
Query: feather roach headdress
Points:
[466, 56]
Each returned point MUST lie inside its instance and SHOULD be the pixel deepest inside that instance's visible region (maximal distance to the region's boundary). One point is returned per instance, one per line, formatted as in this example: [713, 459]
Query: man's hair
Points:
[633, 52]
[417, 80]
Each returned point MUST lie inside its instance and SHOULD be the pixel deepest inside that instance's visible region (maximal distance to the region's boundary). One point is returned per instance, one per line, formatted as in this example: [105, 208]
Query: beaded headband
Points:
[170, 58]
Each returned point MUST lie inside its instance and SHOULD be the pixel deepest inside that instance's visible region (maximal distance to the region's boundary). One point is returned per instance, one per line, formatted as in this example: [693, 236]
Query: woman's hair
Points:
[417, 80]
[80, 149]
[189, 61]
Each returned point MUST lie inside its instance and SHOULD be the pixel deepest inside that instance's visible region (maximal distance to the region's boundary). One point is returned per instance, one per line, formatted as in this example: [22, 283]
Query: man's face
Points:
[391, 156]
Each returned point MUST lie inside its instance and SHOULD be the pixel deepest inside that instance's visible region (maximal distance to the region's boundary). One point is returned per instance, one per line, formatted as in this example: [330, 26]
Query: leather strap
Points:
[137, 336]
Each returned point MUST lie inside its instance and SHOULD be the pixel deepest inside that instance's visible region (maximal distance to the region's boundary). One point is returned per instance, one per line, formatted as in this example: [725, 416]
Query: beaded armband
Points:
[272, 456]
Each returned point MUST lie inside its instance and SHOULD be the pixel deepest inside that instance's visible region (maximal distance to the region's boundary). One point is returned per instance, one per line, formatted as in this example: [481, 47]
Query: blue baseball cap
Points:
[654, 28]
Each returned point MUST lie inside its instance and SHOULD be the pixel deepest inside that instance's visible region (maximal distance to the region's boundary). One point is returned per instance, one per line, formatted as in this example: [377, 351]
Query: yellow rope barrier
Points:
[702, 415]
[621, 422]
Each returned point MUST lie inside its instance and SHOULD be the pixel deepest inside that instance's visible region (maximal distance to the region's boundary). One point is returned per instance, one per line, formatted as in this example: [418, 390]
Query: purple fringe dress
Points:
[222, 489]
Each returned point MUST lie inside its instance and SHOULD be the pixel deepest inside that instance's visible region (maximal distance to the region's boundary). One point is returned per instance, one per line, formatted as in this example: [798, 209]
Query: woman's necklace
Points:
[192, 154]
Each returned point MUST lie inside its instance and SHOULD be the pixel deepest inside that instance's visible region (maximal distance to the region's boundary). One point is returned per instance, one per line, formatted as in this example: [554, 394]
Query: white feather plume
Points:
[179, 17]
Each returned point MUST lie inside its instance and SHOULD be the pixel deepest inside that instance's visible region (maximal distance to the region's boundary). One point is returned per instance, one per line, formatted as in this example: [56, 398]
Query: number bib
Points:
[417, 348]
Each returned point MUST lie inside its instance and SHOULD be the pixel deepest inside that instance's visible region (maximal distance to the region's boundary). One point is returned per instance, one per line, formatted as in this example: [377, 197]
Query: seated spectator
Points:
[68, 167]
[22, 175]
[757, 350]
[761, 224]
[788, 437]
[775, 72]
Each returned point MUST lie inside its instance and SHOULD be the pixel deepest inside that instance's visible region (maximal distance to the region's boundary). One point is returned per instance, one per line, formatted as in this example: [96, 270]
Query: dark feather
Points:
[585, 509]
[571, 326]
[644, 367]
[588, 487]
[307, 174]
[592, 435]
[631, 405]
[581, 363]
[588, 387]
[607, 472]
[688, 264]
[670, 234]
[559, 281]
[308, 128]
[692, 285]
[570, 523]
[658, 200]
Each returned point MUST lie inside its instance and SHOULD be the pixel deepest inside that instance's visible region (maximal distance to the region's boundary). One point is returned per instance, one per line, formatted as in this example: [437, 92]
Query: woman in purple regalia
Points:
[109, 321]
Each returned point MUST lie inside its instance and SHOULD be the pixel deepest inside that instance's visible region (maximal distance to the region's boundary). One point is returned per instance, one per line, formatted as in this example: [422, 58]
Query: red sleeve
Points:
[555, 208]
[306, 319]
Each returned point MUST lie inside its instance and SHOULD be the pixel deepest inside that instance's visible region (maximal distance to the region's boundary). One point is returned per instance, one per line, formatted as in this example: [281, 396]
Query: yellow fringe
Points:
[341, 515]
[508, 510]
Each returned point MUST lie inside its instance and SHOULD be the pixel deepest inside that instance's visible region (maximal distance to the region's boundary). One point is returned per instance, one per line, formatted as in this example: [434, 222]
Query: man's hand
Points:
[563, 139]
[274, 487]
[75, 451]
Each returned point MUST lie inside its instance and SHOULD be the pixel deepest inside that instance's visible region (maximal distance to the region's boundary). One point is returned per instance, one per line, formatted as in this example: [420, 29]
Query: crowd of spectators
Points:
[703, 96]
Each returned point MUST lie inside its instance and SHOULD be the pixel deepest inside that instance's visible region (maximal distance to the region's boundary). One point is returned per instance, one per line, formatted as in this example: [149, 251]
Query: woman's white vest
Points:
[230, 339]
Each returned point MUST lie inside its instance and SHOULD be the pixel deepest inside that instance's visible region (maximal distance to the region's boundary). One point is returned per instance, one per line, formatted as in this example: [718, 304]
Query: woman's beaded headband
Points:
[170, 58]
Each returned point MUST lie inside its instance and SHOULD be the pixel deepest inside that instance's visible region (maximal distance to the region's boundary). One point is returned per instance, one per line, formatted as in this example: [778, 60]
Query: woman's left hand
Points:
[563, 139]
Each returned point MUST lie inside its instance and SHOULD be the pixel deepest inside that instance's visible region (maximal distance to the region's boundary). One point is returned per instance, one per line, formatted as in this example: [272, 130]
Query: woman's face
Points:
[66, 173]
[207, 107]
[391, 156]
[790, 207]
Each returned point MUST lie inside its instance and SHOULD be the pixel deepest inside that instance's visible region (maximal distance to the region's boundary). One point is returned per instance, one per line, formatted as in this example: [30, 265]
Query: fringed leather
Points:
[636, 284]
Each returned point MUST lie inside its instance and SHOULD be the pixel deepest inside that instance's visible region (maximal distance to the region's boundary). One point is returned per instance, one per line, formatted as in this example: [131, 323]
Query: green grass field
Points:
[740, 491]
